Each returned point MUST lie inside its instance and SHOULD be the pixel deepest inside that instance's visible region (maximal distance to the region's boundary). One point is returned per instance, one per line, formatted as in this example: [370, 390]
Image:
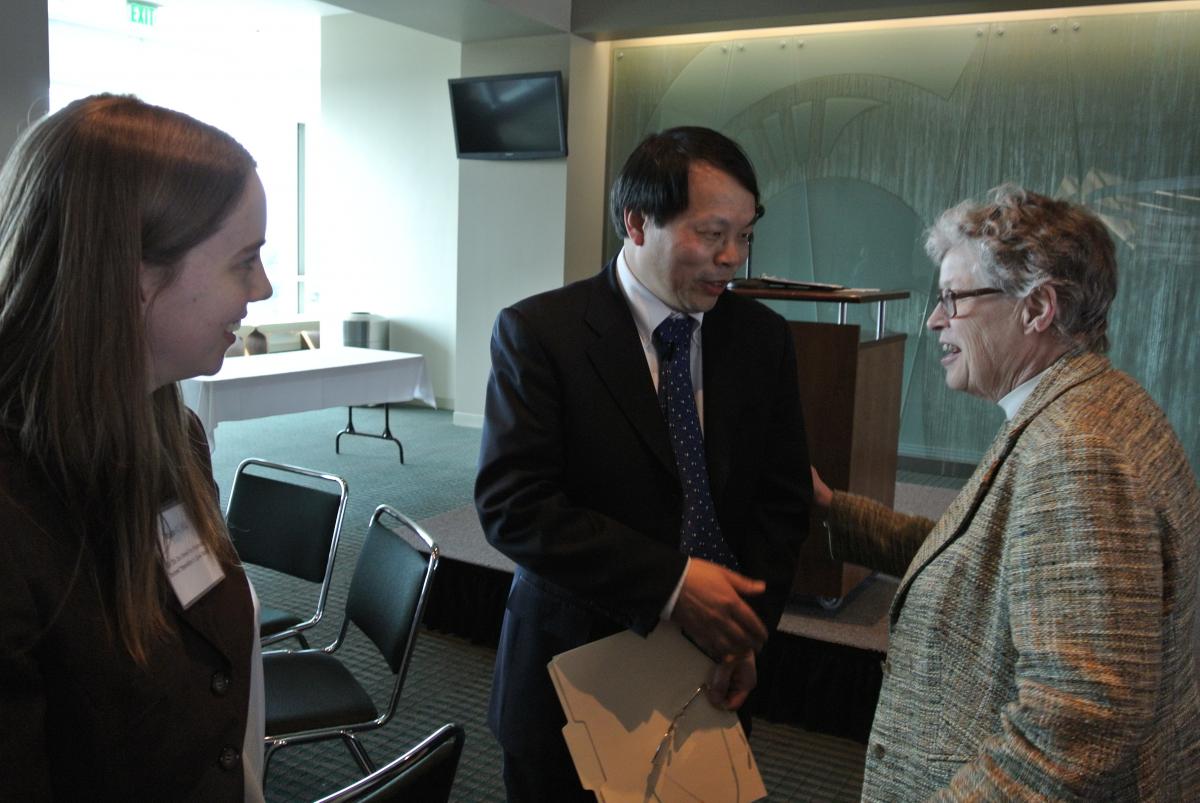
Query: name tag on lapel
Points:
[191, 568]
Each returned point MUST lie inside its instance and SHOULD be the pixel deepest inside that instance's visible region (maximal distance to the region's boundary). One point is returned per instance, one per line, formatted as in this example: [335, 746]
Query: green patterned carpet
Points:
[449, 679]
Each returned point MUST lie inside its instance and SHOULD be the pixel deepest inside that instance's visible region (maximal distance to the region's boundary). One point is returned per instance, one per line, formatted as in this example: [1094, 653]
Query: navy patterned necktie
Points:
[699, 532]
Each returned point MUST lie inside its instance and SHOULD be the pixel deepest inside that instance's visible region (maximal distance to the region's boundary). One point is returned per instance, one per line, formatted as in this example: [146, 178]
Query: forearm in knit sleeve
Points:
[865, 532]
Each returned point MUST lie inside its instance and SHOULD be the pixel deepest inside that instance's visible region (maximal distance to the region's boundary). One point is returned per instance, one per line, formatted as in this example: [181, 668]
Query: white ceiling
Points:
[480, 20]
[457, 20]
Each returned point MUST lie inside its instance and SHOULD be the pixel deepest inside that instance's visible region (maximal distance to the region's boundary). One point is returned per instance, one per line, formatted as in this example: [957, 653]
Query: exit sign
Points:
[141, 13]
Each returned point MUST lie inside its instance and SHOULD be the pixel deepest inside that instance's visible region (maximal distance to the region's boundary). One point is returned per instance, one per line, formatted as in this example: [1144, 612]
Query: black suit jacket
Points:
[577, 481]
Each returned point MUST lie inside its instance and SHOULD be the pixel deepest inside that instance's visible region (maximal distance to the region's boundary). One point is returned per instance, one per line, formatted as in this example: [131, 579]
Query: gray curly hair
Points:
[1024, 240]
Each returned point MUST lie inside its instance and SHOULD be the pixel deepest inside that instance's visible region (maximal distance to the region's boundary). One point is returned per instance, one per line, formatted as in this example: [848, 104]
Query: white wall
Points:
[25, 67]
[383, 187]
[511, 223]
[587, 203]
[520, 223]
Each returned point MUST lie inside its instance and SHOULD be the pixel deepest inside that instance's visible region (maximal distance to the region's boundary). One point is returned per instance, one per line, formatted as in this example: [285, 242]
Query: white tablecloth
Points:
[296, 381]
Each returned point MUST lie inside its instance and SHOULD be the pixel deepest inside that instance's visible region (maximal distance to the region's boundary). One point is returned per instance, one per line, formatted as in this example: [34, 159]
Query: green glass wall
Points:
[861, 138]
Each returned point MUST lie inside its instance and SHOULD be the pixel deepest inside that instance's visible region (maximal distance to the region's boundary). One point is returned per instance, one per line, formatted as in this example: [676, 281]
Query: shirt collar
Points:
[1013, 400]
[648, 309]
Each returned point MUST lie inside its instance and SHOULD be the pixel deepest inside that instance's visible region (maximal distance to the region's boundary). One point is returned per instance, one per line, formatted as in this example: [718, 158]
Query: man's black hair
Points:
[654, 180]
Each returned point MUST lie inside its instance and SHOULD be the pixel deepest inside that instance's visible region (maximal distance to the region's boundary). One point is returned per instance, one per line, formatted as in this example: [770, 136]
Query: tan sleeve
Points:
[863, 531]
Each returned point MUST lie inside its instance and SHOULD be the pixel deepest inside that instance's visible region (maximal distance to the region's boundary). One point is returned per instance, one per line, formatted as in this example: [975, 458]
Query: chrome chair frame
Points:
[297, 630]
[347, 731]
[387, 783]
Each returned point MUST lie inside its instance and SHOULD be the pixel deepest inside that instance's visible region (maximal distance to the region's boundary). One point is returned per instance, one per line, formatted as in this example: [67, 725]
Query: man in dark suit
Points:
[579, 481]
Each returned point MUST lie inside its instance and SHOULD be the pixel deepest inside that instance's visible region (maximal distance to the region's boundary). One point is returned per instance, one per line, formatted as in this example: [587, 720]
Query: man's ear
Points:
[1039, 309]
[635, 227]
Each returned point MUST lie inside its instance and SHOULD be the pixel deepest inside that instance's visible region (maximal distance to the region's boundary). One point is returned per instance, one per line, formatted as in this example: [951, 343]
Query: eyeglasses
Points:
[949, 298]
[666, 739]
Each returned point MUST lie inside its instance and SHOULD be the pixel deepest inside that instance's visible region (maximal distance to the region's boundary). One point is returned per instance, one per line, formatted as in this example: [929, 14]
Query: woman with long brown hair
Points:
[129, 250]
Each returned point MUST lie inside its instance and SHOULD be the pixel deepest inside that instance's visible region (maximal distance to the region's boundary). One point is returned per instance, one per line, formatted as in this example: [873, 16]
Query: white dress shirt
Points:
[1013, 400]
[648, 312]
[252, 742]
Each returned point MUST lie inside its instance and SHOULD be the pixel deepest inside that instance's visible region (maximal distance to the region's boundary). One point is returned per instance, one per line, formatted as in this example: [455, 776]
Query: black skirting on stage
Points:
[815, 685]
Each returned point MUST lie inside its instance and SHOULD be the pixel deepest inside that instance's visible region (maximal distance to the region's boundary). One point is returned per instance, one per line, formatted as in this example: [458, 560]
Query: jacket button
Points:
[228, 758]
[878, 751]
[219, 684]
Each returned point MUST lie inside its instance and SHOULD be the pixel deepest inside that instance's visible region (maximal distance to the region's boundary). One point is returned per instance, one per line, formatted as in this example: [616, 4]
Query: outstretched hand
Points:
[822, 496]
[712, 610]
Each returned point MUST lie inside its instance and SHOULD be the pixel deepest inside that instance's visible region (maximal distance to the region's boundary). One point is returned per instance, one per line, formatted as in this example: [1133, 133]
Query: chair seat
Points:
[310, 690]
[274, 620]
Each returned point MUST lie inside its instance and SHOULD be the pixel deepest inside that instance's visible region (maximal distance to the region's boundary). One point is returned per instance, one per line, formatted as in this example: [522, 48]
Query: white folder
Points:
[621, 695]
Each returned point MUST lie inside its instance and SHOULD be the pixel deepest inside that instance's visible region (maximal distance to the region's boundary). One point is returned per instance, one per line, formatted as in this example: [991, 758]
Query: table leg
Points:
[385, 436]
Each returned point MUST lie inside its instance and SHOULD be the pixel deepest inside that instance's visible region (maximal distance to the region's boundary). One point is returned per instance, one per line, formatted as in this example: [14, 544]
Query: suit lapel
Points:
[1070, 371]
[225, 609]
[617, 356]
[958, 516]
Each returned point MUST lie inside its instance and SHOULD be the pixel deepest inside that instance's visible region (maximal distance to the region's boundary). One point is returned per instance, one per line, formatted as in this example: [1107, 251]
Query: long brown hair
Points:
[87, 196]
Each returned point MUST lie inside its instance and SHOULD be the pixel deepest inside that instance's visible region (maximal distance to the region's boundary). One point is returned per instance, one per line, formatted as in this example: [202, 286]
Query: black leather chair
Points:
[310, 694]
[279, 523]
[425, 773]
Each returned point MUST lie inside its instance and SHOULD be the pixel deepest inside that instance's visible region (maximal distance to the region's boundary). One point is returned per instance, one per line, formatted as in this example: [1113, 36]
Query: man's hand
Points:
[710, 609]
[822, 496]
[732, 681]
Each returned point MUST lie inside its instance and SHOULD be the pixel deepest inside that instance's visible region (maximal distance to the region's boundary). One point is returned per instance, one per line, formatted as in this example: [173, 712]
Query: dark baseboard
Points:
[939, 468]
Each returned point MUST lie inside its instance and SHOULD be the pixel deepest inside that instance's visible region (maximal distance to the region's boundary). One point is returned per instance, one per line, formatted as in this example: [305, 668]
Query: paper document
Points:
[779, 283]
[640, 727]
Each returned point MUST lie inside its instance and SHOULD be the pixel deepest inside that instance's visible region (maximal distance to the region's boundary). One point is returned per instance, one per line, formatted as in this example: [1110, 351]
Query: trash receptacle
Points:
[364, 330]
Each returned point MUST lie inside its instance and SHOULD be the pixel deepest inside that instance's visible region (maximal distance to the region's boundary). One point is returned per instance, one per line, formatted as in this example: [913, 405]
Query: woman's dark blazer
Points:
[78, 718]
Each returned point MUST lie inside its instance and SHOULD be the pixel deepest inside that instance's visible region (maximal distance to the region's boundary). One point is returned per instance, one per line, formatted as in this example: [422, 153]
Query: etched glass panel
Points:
[862, 137]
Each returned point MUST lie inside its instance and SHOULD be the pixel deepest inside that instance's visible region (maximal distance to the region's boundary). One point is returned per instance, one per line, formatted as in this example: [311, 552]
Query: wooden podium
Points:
[850, 392]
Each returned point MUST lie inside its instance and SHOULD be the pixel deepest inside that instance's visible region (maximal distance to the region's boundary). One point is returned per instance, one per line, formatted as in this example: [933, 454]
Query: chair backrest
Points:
[283, 525]
[390, 586]
[425, 773]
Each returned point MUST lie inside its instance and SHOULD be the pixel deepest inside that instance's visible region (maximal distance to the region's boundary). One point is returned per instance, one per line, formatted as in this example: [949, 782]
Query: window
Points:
[250, 67]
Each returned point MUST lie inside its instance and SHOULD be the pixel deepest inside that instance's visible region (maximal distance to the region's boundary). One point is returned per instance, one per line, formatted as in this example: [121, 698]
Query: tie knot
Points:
[675, 331]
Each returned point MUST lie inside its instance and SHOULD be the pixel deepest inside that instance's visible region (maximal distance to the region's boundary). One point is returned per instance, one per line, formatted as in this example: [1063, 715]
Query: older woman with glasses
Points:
[1041, 639]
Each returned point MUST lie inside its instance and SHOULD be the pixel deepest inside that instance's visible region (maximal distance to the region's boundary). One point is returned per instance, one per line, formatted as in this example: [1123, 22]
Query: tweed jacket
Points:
[1041, 642]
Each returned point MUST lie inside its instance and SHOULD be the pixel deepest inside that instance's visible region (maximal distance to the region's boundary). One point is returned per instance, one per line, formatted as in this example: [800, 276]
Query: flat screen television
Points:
[509, 116]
